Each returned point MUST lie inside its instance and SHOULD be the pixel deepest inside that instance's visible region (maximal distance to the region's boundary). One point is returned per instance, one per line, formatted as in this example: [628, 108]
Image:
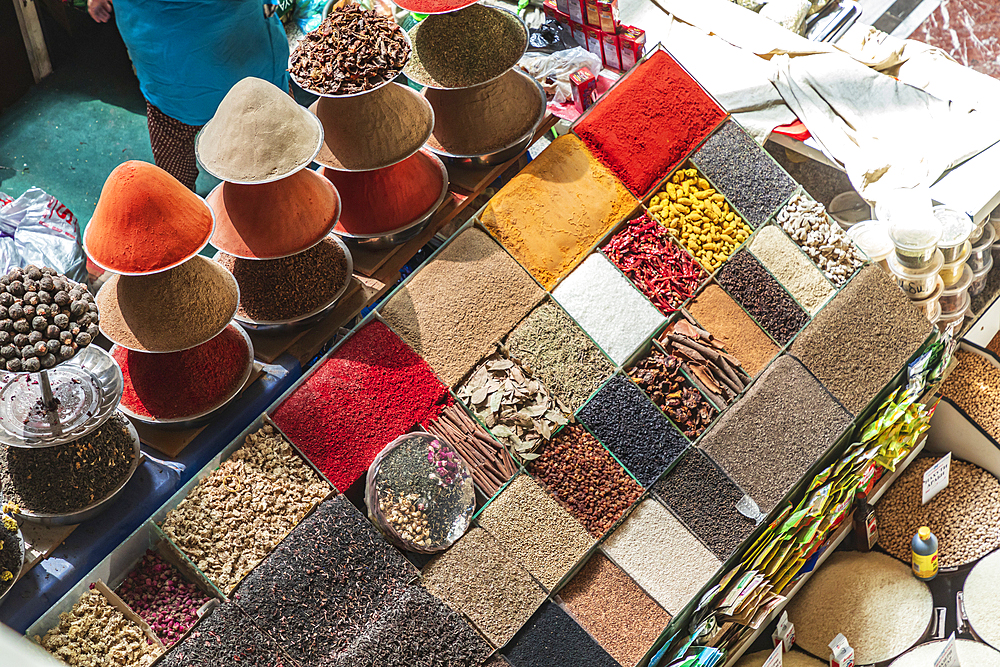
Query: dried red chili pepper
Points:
[667, 274]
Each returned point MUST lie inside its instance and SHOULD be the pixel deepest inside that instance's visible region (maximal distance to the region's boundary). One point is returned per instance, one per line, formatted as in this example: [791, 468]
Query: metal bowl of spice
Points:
[410, 230]
[238, 380]
[95, 508]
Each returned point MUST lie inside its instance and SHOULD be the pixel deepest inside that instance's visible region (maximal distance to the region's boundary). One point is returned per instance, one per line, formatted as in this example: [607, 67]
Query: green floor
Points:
[68, 133]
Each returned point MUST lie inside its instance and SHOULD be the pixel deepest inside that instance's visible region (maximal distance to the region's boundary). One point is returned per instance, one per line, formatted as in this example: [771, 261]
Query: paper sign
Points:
[949, 656]
[774, 660]
[936, 478]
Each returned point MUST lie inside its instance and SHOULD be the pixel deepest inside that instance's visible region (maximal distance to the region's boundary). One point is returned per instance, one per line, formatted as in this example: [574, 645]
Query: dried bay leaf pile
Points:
[516, 407]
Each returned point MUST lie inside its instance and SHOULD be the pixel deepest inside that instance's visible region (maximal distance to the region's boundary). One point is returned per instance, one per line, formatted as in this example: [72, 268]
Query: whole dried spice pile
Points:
[490, 462]
[67, 478]
[667, 275]
[227, 637]
[963, 516]
[353, 50]
[234, 517]
[821, 238]
[45, 318]
[302, 282]
[498, 604]
[316, 590]
[373, 389]
[660, 377]
[718, 374]
[157, 591]
[536, 530]
[95, 633]
[517, 408]
[585, 479]
[763, 297]
[550, 345]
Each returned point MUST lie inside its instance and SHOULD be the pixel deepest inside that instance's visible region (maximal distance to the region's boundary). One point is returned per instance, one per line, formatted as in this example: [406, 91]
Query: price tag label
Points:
[774, 660]
[936, 478]
[949, 657]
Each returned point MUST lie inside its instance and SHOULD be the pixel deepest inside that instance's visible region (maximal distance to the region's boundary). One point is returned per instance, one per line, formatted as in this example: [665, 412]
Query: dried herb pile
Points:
[227, 637]
[660, 377]
[353, 50]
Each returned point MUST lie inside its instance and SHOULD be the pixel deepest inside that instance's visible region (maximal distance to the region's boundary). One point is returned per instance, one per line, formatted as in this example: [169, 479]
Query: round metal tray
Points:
[408, 231]
[277, 326]
[106, 378]
[92, 510]
[3, 594]
[270, 179]
[208, 238]
[204, 416]
[503, 154]
[431, 84]
[298, 83]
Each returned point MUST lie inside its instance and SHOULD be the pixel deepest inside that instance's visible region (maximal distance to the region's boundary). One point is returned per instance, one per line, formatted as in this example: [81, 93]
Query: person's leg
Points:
[173, 145]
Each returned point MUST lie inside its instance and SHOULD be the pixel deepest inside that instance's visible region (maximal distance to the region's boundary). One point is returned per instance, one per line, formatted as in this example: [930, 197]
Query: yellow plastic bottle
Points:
[924, 551]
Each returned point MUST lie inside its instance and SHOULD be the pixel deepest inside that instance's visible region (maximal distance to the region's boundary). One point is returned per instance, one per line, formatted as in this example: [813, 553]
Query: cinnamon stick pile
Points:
[489, 461]
[719, 375]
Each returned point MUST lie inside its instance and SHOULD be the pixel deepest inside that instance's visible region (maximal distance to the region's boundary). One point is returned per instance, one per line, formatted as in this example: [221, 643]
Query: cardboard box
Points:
[576, 11]
[607, 11]
[584, 86]
[612, 57]
[593, 18]
[594, 43]
[631, 45]
[563, 6]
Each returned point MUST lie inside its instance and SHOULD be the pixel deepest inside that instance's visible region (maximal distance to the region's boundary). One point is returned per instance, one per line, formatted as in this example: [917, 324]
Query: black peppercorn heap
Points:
[45, 318]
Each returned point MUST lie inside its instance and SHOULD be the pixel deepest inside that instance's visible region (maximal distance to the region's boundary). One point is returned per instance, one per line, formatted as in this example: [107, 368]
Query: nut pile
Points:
[406, 514]
[699, 218]
[821, 238]
[95, 633]
[963, 516]
[44, 318]
[353, 50]
[234, 517]
[718, 374]
[585, 479]
[517, 408]
[660, 377]
[159, 594]
[974, 385]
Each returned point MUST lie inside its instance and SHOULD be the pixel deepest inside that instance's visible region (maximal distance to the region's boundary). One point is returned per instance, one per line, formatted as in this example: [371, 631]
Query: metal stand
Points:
[49, 401]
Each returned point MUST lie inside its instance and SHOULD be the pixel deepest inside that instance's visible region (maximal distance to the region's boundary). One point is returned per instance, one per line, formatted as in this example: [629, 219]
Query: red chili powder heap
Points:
[646, 125]
[186, 383]
[371, 391]
[379, 201]
[434, 6]
[145, 220]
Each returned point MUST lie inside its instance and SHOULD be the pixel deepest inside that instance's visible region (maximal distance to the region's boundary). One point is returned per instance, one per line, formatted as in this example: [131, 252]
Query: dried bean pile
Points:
[699, 218]
[234, 517]
[974, 386]
[499, 603]
[823, 240]
[533, 528]
[490, 462]
[614, 610]
[704, 499]
[417, 629]
[763, 297]
[754, 182]
[963, 516]
[353, 50]
[226, 637]
[635, 431]
[317, 589]
[517, 408]
[665, 273]
[660, 377]
[95, 633]
[718, 374]
[550, 345]
[161, 596]
[552, 639]
[585, 479]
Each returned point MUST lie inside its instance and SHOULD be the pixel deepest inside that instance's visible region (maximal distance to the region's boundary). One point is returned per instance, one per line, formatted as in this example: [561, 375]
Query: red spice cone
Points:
[274, 220]
[146, 221]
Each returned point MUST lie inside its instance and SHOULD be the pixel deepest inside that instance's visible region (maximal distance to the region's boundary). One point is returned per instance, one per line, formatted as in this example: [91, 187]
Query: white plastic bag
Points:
[36, 228]
[553, 70]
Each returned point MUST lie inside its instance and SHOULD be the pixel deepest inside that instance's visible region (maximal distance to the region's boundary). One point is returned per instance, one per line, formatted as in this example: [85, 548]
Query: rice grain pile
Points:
[870, 598]
[661, 555]
[969, 653]
[982, 604]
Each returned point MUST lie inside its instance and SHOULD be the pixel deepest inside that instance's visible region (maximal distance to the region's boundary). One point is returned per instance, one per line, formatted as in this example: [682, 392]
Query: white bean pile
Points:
[821, 238]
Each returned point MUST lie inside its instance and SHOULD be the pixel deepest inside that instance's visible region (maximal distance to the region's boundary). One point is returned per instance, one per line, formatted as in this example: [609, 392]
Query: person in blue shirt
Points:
[187, 55]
